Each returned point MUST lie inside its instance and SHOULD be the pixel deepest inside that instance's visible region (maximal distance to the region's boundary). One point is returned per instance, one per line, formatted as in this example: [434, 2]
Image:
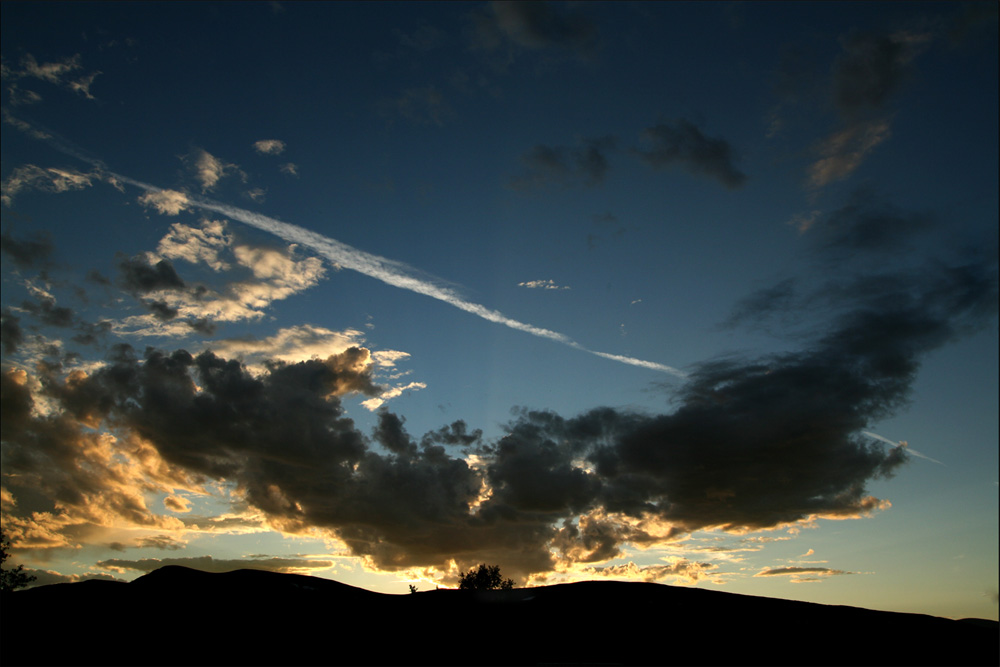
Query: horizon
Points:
[702, 295]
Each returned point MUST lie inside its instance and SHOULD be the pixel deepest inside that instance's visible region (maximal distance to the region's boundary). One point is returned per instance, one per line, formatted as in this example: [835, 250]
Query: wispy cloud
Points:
[422, 105]
[802, 574]
[542, 284]
[560, 165]
[55, 72]
[386, 270]
[49, 179]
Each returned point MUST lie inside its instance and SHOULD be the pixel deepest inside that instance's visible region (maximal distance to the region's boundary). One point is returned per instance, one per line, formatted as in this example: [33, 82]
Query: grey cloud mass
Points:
[26, 253]
[871, 68]
[561, 165]
[535, 25]
[139, 275]
[682, 143]
[753, 444]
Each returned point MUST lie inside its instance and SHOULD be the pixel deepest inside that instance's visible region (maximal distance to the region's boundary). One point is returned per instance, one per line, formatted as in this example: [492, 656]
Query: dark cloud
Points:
[97, 278]
[870, 68]
[682, 143]
[560, 165]
[26, 253]
[534, 25]
[974, 19]
[424, 105]
[866, 225]
[138, 275]
[49, 313]
[164, 542]
[752, 444]
[162, 310]
[764, 303]
[202, 325]
[91, 333]
[11, 335]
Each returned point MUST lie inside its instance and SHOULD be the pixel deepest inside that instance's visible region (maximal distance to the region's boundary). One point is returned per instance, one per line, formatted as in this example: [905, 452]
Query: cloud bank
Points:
[753, 444]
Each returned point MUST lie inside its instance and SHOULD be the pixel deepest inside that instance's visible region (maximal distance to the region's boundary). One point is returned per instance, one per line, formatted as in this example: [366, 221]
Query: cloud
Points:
[377, 402]
[166, 202]
[210, 564]
[542, 284]
[47, 312]
[754, 444]
[49, 577]
[11, 334]
[55, 72]
[289, 168]
[196, 245]
[292, 344]
[49, 179]
[420, 105]
[138, 275]
[388, 271]
[867, 225]
[843, 152]
[682, 143]
[177, 503]
[534, 25]
[269, 146]
[177, 308]
[802, 574]
[679, 571]
[51, 72]
[209, 169]
[869, 70]
[26, 253]
[559, 165]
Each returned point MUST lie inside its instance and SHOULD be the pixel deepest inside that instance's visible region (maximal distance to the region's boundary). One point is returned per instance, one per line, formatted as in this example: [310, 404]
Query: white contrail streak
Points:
[391, 272]
[901, 443]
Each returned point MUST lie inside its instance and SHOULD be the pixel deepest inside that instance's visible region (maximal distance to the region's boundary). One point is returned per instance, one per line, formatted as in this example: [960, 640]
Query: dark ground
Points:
[178, 616]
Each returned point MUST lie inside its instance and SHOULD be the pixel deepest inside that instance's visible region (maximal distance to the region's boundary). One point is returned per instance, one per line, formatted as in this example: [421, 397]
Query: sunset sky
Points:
[377, 292]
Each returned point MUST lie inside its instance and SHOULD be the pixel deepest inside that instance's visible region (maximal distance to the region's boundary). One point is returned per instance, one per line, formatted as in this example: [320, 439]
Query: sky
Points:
[696, 293]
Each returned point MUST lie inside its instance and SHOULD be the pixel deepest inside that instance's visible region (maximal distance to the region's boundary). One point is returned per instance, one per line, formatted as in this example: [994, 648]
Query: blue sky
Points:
[378, 292]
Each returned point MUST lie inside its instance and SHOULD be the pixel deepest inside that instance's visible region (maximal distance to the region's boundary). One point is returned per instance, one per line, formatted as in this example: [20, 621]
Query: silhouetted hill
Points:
[176, 615]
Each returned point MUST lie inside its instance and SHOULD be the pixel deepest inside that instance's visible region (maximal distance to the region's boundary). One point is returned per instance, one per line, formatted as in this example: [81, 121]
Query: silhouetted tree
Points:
[11, 579]
[485, 578]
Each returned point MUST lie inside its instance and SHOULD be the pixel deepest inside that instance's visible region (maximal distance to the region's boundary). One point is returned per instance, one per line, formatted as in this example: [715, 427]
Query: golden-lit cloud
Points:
[269, 146]
[198, 245]
[843, 152]
[209, 170]
[166, 202]
[210, 564]
[799, 575]
[48, 179]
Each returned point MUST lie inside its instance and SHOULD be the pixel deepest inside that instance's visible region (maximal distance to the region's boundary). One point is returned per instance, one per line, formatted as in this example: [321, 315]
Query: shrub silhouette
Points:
[485, 578]
[11, 579]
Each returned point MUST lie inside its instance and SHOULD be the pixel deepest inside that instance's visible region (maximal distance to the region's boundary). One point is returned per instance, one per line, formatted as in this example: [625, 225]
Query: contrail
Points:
[390, 272]
[901, 443]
